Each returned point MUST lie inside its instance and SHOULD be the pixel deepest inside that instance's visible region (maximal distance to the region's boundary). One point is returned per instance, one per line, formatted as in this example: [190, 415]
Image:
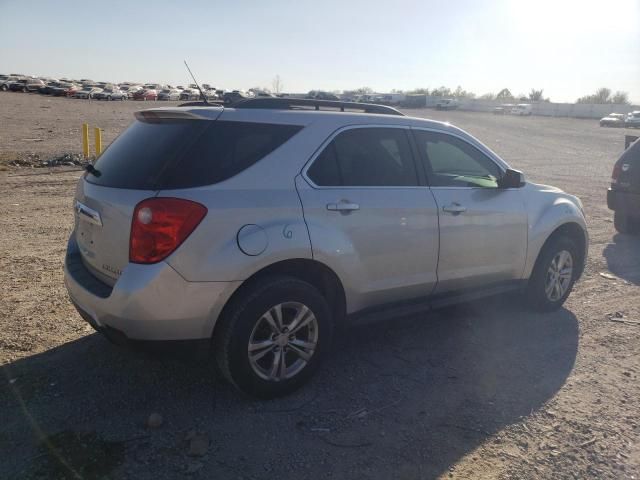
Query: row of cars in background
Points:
[630, 120]
[88, 89]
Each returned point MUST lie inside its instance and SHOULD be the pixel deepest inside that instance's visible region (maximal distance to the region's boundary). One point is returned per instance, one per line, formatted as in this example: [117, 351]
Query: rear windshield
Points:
[185, 153]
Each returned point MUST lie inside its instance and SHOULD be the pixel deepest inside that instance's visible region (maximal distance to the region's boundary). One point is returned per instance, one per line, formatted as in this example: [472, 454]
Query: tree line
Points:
[601, 96]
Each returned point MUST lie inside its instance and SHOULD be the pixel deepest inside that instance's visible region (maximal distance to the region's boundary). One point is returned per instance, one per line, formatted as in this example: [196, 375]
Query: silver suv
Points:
[259, 229]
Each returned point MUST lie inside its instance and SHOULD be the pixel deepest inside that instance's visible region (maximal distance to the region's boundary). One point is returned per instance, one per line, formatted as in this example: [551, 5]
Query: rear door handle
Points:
[454, 208]
[343, 207]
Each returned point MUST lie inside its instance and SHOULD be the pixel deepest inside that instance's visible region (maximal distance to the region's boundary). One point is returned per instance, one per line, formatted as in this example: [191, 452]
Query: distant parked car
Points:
[612, 120]
[86, 92]
[169, 94]
[447, 104]
[65, 90]
[503, 109]
[47, 89]
[261, 93]
[131, 90]
[322, 95]
[235, 96]
[111, 94]
[190, 94]
[145, 95]
[632, 120]
[26, 85]
[6, 80]
[623, 197]
[212, 94]
[522, 109]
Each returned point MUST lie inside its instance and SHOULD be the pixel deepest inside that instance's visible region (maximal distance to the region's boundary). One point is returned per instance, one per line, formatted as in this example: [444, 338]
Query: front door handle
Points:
[454, 208]
[343, 207]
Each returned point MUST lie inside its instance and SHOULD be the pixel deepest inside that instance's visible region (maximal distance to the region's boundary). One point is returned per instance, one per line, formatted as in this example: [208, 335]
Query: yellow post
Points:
[98, 137]
[85, 140]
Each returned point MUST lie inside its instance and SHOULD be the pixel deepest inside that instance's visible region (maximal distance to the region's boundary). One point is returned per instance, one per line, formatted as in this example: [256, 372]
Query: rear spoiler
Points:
[151, 116]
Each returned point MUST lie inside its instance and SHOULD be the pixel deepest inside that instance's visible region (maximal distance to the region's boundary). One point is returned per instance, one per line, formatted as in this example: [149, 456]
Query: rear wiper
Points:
[93, 170]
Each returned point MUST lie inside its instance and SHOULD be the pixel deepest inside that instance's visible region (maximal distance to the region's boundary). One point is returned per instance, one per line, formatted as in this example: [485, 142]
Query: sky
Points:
[569, 48]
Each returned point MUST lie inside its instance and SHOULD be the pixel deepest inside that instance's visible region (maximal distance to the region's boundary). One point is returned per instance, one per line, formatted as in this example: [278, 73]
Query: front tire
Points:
[554, 275]
[273, 337]
[625, 223]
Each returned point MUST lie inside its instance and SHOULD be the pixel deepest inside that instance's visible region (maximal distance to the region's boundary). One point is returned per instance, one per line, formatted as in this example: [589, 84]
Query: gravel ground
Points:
[483, 390]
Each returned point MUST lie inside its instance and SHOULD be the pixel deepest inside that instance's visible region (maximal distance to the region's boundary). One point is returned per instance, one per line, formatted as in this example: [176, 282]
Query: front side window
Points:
[452, 162]
[366, 157]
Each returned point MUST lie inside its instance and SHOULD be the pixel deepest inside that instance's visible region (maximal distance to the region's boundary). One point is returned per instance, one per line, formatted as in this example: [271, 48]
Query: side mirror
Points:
[512, 179]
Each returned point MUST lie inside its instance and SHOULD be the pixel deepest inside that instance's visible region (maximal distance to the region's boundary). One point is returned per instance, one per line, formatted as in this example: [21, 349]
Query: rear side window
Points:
[366, 157]
[171, 154]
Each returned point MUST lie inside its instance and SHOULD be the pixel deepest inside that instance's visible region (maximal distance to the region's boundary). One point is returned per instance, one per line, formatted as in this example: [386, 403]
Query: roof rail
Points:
[200, 103]
[308, 103]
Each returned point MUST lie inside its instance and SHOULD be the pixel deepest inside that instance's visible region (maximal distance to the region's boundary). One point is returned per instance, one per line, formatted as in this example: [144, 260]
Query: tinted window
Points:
[451, 162]
[325, 171]
[185, 153]
[366, 157]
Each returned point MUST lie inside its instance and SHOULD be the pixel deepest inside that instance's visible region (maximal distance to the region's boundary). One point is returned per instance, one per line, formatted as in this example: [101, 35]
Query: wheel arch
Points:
[311, 271]
[576, 233]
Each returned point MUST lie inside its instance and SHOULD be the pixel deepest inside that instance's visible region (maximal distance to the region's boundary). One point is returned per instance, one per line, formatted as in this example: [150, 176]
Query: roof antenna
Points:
[204, 97]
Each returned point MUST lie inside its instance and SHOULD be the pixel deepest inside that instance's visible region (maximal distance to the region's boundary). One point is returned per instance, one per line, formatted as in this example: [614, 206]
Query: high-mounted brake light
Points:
[160, 225]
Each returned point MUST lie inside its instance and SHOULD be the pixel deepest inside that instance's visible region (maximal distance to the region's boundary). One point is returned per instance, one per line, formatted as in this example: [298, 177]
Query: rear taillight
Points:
[617, 168]
[160, 225]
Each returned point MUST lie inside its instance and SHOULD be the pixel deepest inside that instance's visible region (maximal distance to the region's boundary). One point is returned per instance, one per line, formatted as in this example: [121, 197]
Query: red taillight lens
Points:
[617, 168]
[160, 225]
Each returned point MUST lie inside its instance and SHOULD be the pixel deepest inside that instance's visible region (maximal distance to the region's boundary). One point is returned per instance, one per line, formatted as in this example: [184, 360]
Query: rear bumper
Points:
[147, 303]
[626, 202]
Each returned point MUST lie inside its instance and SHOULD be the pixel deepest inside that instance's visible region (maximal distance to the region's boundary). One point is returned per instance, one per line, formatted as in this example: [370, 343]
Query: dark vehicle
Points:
[26, 85]
[235, 96]
[48, 88]
[623, 197]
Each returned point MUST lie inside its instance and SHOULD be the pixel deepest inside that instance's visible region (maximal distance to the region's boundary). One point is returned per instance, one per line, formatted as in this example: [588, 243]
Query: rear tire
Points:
[554, 275]
[625, 223]
[278, 319]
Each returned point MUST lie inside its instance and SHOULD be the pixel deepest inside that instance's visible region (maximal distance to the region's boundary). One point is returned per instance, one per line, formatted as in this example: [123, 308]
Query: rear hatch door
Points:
[139, 163]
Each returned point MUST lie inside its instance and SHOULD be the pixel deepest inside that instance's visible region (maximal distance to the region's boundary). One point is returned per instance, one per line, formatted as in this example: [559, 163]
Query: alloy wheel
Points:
[559, 276]
[283, 341]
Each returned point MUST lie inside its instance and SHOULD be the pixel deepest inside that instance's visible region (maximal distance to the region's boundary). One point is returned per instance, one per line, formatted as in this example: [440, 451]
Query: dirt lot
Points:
[484, 390]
